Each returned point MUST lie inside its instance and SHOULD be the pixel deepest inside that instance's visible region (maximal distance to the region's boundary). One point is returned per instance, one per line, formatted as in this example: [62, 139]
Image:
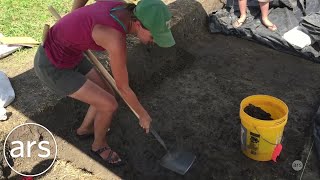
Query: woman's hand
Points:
[145, 121]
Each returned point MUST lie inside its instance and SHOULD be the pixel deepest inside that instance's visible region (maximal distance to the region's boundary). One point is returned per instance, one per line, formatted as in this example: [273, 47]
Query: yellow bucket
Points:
[260, 137]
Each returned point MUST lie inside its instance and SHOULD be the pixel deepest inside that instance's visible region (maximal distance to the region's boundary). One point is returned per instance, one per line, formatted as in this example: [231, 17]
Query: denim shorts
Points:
[62, 82]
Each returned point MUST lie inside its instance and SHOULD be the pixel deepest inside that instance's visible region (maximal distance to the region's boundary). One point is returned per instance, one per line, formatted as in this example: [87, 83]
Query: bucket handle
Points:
[264, 138]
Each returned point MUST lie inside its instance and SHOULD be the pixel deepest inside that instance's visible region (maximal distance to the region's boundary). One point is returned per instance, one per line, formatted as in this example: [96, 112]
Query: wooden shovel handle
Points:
[54, 12]
[107, 76]
[45, 32]
[103, 72]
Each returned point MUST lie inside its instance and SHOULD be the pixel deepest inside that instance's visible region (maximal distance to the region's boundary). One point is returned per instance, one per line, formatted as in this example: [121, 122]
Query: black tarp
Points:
[316, 132]
[311, 24]
[286, 14]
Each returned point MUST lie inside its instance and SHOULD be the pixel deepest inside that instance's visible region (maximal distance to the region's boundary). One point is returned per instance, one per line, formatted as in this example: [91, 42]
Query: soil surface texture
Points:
[195, 107]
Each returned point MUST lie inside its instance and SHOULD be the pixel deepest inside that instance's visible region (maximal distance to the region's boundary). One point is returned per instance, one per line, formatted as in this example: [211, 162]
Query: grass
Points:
[27, 17]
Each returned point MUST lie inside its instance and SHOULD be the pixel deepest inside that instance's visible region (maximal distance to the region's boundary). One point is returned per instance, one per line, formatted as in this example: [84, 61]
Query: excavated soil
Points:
[195, 106]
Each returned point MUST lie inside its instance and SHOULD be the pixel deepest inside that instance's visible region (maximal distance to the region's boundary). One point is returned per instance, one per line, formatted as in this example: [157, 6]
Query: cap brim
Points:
[164, 39]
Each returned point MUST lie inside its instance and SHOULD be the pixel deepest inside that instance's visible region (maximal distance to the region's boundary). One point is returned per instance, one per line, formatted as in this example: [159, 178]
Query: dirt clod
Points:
[257, 112]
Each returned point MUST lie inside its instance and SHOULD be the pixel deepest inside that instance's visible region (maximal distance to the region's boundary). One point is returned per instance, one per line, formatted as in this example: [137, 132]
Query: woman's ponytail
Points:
[130, 7]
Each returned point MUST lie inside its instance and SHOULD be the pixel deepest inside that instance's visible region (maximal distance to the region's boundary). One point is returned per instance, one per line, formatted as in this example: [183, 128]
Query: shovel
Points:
[178, 161]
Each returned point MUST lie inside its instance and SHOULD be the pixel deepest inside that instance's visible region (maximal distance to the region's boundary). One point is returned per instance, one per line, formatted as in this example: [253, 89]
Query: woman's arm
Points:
[115, 43]
[78, 4]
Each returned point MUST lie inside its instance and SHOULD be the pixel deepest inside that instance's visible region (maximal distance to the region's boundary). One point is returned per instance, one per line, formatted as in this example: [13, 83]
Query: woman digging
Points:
[61, 66]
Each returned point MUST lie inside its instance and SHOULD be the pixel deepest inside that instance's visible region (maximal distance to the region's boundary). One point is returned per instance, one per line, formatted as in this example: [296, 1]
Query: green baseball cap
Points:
[155, 16]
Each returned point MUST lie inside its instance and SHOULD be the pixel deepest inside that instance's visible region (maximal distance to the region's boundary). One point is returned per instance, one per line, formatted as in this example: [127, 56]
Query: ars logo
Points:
[30, 149]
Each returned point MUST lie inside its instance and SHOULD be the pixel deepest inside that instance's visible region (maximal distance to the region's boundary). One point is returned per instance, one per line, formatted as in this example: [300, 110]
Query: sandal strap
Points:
[273, 27]
[109, 158]
[112, 159]
[237, 23]
[99, 151]
[241, 22]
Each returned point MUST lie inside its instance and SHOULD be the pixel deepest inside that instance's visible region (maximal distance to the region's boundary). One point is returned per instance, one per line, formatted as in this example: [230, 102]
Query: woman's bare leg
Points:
[87, 124]
[105, 105]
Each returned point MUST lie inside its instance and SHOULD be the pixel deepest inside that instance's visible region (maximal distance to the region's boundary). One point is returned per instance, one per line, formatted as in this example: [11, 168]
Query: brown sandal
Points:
[113, 161]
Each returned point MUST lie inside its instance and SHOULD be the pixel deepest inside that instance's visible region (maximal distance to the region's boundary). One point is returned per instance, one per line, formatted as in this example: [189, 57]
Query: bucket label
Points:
[254, 143]
[243, 138]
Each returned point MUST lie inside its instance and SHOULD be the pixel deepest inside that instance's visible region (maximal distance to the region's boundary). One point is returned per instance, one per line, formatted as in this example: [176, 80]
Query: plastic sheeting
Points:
[7, 95]
[286, 14]
[311, 24]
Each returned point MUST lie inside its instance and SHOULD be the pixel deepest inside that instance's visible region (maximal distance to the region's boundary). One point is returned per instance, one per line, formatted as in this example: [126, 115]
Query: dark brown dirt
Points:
[257, 112]
[195, 106]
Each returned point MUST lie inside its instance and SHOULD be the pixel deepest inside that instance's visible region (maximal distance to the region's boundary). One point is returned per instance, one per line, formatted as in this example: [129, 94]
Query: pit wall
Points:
[189, 20]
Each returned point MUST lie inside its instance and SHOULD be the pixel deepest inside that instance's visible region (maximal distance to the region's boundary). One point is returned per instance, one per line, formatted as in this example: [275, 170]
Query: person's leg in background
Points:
[264, 7]
[243, 13]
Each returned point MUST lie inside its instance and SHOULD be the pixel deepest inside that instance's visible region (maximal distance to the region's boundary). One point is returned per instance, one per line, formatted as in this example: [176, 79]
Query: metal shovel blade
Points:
[178, 161]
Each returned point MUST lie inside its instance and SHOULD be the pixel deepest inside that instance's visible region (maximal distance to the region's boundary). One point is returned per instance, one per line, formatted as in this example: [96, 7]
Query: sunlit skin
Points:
[143, 34]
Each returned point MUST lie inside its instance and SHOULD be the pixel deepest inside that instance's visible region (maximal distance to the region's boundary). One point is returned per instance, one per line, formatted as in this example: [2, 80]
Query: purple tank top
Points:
[72, 34]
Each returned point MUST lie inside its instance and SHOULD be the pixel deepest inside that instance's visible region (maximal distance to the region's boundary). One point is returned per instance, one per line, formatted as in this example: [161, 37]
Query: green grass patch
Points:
[27, 17]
